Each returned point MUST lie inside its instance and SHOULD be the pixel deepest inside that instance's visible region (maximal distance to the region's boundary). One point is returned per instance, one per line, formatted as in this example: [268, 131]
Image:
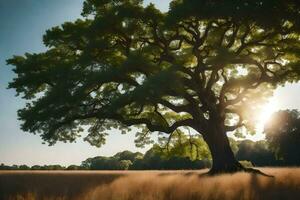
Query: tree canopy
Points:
[204, 64]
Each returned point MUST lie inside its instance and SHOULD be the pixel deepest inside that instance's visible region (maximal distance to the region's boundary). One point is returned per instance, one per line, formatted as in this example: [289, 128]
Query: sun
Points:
[263, 116]
[265, 113]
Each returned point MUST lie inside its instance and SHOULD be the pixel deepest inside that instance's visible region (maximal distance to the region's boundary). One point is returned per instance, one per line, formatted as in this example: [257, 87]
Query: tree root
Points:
[258, 172]
[238, 169]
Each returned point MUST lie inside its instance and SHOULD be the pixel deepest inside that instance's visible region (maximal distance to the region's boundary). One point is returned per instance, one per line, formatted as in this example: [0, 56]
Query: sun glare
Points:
[264, 115]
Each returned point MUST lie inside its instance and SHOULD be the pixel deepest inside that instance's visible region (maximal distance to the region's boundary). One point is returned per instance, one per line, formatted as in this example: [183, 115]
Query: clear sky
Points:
[22, 24]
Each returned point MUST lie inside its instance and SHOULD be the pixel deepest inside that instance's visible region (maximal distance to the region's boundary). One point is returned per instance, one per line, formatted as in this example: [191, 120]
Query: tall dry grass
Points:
[155, 185]
[51, 185]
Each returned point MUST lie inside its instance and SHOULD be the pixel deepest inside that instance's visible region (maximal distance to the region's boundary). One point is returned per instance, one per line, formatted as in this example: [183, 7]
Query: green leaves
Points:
[125, 65]
[73, 35]
[180, 144]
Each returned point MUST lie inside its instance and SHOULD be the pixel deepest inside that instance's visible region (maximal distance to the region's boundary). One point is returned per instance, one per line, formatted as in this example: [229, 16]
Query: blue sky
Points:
[22, 24]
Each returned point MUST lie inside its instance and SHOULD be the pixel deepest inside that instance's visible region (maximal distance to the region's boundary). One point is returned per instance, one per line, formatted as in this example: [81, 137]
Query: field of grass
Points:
[149, 185]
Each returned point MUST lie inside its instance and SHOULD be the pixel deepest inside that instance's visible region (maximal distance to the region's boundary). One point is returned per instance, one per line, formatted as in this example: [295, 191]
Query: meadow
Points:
[148, 185]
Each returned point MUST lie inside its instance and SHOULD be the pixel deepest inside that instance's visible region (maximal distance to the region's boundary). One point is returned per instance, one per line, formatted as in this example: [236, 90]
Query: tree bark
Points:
[222, 156]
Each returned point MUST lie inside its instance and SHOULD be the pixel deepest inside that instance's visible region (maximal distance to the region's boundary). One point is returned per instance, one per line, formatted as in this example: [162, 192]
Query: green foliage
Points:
[246, 163]
[125, 164]
[155, 160]
[128, 155]
[258, 153]
[74, 167]
[120, 161]
[102, 163]
[150, 161]
[178, 144]
[47, 167]
[233, 144]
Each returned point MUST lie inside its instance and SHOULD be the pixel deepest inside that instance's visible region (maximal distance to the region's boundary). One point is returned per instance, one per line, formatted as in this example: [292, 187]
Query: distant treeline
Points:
[158, 158]
[125, 160]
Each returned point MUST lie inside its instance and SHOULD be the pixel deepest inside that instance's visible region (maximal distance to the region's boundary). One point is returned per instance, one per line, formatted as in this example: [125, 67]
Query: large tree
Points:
[204, 64]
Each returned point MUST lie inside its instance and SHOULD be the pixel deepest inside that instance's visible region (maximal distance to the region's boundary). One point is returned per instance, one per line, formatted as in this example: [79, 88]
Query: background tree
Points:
[125, 164]
[23, 167]
[156, 159]
[283, 134]
[258, 153]
[101, 163]
[120, 161]
[74, 167]
[128, 155]
[182, 145]
[5, 167]
[205, 65]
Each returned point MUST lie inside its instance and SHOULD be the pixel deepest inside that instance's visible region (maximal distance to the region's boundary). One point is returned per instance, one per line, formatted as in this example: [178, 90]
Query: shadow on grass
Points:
[51, 185]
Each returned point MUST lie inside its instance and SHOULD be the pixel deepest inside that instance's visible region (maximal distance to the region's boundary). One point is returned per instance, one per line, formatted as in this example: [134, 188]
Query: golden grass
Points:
[150, 185]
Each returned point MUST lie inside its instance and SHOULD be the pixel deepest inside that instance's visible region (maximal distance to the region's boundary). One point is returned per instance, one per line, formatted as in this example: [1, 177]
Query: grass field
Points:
[149, 185]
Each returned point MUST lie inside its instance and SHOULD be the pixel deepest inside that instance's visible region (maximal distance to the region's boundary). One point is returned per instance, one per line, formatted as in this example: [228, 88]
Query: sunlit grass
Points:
[150, 185]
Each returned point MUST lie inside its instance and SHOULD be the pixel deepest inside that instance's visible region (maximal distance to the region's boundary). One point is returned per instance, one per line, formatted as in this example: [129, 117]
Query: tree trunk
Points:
[222, 155]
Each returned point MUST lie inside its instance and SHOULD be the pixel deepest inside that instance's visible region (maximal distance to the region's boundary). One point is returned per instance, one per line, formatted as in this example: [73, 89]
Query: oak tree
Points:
[203, 65]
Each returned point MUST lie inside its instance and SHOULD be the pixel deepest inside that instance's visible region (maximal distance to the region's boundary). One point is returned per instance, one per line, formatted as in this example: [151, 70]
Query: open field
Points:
[148, 185]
